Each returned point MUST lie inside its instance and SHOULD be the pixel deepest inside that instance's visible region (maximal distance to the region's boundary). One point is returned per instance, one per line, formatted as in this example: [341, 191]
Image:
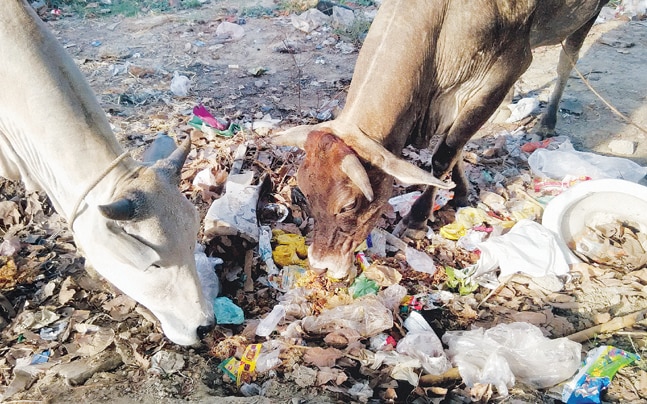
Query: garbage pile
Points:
[493, 303]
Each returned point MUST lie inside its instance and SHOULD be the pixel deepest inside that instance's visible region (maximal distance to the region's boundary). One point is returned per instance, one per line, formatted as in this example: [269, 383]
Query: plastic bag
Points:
[427, 348]
[566, 161]
[512, 351]
[206, 273]
[367, 315]
[180, 85]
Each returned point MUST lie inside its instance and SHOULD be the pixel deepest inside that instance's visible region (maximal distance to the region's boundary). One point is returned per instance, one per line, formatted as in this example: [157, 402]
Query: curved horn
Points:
[178, 157]
[171, 167]
[162, 147]
[354, 169]
[402, 170]
[121, 209]
[296, 136]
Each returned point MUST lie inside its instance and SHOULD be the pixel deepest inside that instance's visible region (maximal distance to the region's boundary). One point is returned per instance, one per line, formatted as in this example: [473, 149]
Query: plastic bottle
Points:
[269, 323]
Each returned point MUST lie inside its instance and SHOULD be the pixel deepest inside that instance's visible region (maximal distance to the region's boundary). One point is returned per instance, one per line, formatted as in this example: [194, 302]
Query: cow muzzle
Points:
[338, 265]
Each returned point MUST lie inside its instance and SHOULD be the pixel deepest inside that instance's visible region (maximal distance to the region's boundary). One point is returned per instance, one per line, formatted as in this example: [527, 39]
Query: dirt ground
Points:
[277, 70]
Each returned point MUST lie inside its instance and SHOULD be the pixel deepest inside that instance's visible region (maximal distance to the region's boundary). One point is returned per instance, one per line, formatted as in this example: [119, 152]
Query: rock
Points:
[624, 147]
[77, 372]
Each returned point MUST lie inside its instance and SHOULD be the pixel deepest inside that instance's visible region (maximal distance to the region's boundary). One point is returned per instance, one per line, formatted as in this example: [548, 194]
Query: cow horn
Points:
[354, 169]
[162, 147]
[178, 157]
[121, 209]
[171, 167]
[297, 135]
[403, 171]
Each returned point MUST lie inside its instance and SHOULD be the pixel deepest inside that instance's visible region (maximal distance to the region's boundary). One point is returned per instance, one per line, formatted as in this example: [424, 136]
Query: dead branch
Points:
[617, 323]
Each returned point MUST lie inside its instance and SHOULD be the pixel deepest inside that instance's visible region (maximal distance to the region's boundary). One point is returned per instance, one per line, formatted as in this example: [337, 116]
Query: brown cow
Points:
[426, 68]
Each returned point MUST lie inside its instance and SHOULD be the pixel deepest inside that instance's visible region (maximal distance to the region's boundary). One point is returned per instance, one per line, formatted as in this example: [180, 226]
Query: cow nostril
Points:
[203, 330]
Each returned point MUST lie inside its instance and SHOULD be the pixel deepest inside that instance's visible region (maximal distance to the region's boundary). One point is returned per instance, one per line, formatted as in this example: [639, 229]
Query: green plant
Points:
[456, 280]
[128, 8]
[356, 32]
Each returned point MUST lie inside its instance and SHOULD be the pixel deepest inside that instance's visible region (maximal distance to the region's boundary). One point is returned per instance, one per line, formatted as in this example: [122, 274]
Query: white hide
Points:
[55, 137]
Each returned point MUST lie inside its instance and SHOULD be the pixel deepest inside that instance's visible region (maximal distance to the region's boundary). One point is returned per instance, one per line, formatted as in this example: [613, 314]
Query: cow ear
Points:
[354, 169]
[121, 209]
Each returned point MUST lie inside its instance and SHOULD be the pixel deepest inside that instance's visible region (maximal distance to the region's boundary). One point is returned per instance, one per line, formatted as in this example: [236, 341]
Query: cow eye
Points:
[349, 207]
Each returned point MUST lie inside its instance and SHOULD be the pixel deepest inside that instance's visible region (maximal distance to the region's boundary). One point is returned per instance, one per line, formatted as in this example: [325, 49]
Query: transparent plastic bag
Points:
[566, 161]
[512, 351]
[367, 315]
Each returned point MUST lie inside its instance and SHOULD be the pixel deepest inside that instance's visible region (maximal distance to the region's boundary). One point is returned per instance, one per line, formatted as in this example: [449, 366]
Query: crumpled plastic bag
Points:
[566, 161]
[523, 108]
[614, 243]
[234, 213]
[528, 247]
[426, 347]
[508, 352]
[368, 315]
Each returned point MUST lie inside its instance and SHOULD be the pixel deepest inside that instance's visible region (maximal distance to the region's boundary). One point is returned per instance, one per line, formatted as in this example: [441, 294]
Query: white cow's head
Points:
[142, 241]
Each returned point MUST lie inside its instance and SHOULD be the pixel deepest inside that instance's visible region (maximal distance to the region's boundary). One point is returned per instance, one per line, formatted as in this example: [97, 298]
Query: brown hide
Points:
[426, 69]
[340, 206]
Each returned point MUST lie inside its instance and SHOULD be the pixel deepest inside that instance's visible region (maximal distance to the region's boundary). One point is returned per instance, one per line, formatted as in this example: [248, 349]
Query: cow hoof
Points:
[542, 132]
[414, 234]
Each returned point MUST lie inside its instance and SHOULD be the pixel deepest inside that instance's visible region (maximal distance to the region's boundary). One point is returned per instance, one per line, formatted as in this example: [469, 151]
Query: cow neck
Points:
[93, 184]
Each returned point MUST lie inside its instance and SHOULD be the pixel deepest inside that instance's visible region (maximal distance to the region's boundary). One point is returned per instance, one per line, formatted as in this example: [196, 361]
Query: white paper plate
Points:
[596, 200]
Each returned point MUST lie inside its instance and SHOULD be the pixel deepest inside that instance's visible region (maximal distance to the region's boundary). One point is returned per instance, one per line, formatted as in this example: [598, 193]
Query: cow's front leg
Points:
[414, 225]
[446, 158]
[567, 59]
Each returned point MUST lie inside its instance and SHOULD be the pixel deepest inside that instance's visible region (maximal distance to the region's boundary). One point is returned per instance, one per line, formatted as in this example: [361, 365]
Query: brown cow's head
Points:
[347, 183]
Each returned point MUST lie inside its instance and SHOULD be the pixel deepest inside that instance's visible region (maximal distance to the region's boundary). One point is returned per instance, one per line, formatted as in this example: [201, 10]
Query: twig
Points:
[616, 324]
[607, 103]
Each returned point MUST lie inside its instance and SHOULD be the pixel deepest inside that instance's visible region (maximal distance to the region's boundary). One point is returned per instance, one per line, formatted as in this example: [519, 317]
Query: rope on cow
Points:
[607, 103]
[94, 183]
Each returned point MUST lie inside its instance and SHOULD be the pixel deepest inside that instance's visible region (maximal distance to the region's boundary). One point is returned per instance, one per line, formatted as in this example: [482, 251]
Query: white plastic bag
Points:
[566, 161]
[427, 348]
[512, 351]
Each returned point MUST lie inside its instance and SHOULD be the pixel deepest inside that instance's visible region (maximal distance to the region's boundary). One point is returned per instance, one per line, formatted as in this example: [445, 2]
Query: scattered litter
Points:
[600, 367]
[234, 213]
[528, 247]
[211, 126]
[206, 267]
[166, 363]
[420, 261]
[523, 108]
[565, 160]
[180, 85]
[268, 323]
[227, 312]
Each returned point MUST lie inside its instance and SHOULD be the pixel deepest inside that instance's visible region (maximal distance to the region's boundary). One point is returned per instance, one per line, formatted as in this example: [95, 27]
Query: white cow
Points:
[129, 219]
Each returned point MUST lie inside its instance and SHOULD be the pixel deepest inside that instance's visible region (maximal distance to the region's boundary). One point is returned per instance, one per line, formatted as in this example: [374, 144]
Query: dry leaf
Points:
[327, 374]
[321, 357]
[67, 291]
